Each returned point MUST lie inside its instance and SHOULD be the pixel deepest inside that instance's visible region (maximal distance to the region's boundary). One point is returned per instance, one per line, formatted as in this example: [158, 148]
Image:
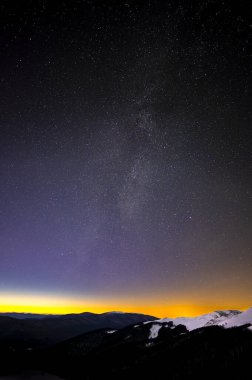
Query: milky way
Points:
[125, 151]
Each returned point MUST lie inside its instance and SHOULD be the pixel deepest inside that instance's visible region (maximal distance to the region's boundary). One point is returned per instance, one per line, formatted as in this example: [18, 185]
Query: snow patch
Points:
[111, 331]
[154, 330]
[149, 344]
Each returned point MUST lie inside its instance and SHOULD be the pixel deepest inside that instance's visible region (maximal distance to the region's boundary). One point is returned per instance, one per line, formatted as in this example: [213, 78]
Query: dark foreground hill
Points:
[135, 352]
[151, 350]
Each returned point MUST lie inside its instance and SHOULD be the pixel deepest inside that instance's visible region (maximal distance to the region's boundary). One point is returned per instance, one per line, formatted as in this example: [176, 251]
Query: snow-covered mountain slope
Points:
[225, 318]
[239, 319]
[215, 318]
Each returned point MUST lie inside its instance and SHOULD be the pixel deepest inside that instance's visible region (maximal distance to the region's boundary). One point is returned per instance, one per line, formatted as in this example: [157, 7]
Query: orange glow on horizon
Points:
[49, 304]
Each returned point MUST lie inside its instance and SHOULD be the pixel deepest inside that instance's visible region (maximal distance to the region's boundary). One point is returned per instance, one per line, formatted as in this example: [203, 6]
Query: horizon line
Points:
[117, 311]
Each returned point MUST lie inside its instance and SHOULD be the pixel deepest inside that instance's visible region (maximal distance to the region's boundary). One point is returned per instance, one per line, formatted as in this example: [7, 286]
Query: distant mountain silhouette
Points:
[32, 333]
[28, 315]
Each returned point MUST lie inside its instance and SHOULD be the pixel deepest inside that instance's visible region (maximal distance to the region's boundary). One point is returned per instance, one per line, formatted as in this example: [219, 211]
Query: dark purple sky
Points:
[125, 150]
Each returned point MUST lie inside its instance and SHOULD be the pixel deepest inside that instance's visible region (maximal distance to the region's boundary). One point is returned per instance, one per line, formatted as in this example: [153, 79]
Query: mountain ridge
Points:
[41, 332]
[225, 318]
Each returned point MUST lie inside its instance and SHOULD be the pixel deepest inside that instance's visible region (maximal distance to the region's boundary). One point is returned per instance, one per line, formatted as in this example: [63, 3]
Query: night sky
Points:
[125, 165]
